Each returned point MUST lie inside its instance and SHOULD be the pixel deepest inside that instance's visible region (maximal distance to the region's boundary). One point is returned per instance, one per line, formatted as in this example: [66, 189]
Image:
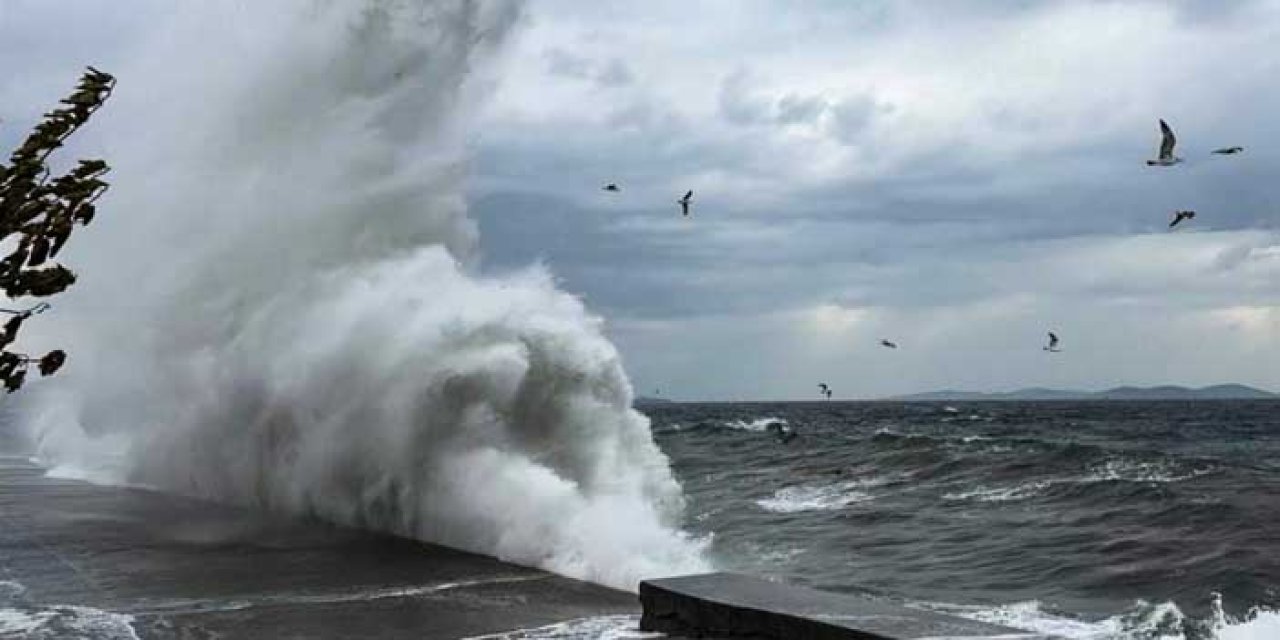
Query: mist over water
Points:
[278, 307]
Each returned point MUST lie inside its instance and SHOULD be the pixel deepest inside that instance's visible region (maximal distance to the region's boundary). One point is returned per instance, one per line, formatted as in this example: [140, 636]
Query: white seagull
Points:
[1167, 140]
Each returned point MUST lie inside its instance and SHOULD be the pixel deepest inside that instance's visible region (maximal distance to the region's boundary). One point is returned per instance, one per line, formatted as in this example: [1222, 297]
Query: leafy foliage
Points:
[41, 211]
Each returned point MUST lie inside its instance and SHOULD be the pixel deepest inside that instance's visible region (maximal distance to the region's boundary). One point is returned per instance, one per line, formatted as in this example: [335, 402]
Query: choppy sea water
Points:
[1083, 519]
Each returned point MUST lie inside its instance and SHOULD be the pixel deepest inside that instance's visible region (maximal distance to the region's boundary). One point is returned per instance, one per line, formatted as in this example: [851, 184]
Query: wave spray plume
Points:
[303, 329]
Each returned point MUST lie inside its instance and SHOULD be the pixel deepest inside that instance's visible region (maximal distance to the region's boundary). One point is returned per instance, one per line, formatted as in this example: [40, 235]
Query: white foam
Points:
[756, 424]
[1258, 625]
[1109, 471]
[1030, 616]
[65, 623]
[1134, 471]
[999, 494]
[598, 628]
[1144, 621]
[825, 497]
[318, 340]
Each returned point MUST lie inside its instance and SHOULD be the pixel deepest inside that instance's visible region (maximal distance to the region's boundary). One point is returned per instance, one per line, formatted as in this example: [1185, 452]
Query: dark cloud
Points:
[962, 173]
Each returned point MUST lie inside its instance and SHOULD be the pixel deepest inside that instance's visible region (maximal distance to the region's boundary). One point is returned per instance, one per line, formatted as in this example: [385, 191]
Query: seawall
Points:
[189, 569]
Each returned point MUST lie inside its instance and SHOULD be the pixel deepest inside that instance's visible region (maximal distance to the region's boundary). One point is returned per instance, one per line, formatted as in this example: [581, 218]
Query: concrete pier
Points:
[183, 568]
[727, 605]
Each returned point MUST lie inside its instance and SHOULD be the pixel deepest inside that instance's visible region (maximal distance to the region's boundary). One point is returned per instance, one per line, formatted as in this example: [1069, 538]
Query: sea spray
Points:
[284, 312]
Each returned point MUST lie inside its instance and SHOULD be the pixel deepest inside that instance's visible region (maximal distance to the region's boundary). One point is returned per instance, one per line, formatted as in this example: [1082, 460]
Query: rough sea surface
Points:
[1084, 519]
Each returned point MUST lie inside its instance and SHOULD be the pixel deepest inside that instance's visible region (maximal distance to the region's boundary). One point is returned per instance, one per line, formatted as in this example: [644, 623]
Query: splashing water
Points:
[1144, 621]
[280, 311]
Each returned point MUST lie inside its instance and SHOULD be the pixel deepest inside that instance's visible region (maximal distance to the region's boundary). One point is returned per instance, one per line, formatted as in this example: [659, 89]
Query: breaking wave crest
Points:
[20, 618]
[281, 308]
[819, 497]
[1143, 621]
[757, 424]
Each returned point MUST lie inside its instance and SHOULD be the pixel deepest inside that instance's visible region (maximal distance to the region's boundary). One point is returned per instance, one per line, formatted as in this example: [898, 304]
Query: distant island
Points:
[648, 400]
[1165, 392]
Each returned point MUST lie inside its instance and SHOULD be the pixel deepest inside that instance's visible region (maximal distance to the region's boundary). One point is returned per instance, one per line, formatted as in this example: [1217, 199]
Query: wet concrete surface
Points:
[730, 605]
[185, 568]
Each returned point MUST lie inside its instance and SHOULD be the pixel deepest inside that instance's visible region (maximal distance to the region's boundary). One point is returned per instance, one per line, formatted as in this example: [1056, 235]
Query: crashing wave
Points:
[303, 328]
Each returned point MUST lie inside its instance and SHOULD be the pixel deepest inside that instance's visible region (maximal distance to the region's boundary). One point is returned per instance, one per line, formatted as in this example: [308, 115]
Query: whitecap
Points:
[1143, 621]
[622, 627]
[829, 497]
[20, 619]
[758, 424]
[1133, 471]
[999, 494]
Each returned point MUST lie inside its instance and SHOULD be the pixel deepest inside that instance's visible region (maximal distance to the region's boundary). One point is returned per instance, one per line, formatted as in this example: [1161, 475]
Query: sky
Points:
[960, 178]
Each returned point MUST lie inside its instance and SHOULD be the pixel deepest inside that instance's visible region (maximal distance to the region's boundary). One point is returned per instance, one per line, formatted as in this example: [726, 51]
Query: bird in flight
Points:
[889, 344]
[1228, 151]
[1053, 343]
[824, 390]
[1167, 141]
[1179, 216]
[612, 187]
[684, 202]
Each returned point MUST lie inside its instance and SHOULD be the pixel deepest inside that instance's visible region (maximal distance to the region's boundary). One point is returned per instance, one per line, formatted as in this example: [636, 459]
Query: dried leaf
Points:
[52, 361]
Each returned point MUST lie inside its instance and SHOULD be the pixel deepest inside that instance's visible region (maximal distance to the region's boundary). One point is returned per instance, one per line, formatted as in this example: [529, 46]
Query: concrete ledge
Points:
[728, 605]
[190, 570]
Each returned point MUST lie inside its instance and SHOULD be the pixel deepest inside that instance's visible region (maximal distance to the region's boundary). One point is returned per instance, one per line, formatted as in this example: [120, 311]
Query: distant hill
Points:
[647, 400]
[1165, 392]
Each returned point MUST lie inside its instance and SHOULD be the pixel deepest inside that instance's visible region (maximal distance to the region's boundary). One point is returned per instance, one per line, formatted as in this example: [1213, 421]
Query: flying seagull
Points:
[1167, 140]
[1053, 343]
[1228, 151]
[612, 187]
[886, 343]
[684, 202]
[824, 390]
[1179, 216]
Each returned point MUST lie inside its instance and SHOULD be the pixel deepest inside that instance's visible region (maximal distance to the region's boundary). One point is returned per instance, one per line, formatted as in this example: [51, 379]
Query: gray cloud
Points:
[738, 103]
[613, 73]
[797, 109]
[958, 176]
[563, 63]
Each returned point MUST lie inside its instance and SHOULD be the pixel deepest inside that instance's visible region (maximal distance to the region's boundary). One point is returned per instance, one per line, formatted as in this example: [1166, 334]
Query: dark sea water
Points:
[1086, 519]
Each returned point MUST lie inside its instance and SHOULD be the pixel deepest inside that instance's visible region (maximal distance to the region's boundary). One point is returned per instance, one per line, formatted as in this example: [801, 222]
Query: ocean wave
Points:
[1110, 470]
[826, 497]
[1143, 621]
[21, 620]
[1126, 470]
[757, 424]
[321, 341]
[621, 627]
[998, 494]
[887, 436]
